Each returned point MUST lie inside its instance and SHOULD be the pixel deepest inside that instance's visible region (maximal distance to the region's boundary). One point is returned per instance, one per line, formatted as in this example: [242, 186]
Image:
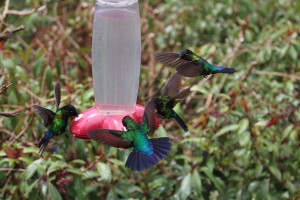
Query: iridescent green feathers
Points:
[56, 121]
[146, 152]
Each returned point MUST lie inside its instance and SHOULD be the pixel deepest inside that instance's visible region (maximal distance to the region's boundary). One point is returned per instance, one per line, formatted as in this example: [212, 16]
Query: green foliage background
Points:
[244, 128]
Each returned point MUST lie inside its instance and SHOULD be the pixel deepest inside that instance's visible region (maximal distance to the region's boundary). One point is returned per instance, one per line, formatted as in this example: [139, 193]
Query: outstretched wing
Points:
[109, 137]
[171, 89]
[57, 95]
[190, 69]
[46, 114]
[149, 117]
[183, 93]
[169, 58]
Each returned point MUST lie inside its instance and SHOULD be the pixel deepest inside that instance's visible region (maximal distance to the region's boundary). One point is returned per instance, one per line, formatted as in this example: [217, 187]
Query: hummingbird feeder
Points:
[116, 55]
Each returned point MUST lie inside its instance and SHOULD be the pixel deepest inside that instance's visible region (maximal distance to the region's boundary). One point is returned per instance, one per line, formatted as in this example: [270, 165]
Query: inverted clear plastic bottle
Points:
[116, 55]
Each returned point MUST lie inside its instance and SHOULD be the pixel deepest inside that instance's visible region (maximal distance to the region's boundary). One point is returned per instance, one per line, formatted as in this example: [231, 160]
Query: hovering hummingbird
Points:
[146, 152]
[57, 122]
[166, 101]
[189, 64]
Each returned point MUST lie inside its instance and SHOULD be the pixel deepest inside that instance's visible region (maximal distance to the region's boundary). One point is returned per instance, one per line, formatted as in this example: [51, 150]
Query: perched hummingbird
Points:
[57, 122]
[166, 101]
[146, 152]
[189, 64]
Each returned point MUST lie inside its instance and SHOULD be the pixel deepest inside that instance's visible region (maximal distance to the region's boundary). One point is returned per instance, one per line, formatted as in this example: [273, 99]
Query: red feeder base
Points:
[93, 119]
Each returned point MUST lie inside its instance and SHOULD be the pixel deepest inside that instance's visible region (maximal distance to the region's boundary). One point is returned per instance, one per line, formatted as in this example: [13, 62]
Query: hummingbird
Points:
[166, 101]
[189, 64]
[146, 152]
[56, 121]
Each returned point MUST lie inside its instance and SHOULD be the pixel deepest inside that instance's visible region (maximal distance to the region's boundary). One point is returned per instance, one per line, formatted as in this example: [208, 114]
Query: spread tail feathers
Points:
[181, 122]
[44, 142]
[138, 161]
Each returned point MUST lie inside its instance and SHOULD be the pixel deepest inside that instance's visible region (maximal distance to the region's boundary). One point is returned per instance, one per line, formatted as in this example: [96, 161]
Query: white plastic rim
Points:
[116, 3]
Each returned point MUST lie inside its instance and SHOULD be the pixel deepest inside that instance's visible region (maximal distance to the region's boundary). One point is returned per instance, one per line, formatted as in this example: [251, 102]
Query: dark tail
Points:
[44, 142]
[224, 70]
[181, 122]
[138, 161]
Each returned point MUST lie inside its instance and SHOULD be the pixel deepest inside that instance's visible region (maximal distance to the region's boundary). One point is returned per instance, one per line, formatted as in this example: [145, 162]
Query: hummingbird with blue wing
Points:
[56, 121]
[189, 64]
[166, 101]
[146, 152]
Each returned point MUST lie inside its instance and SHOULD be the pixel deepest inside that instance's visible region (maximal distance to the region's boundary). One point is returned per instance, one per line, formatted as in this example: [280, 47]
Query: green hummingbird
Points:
[57, 122]
[189, 64]
[146, 152]
[166, 101]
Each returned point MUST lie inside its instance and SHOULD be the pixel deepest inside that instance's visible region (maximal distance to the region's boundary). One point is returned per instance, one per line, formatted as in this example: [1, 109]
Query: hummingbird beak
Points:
[175, 60]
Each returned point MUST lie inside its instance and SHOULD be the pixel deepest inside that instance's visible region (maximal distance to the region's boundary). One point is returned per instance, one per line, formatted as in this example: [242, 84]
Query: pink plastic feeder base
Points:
[92, 119]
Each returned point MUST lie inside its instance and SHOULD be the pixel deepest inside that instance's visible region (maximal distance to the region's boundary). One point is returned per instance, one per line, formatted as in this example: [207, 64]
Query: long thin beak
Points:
[176, 60]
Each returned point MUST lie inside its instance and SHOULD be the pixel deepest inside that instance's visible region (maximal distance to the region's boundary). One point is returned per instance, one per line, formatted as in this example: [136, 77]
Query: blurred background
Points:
[244, 128]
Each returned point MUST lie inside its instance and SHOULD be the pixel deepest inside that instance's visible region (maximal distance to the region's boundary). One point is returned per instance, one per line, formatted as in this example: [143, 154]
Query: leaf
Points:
[196, 183]
[244, 139]
[116, 162]
[226, 129]
[26, 160]
[80, 61]
[77, 161]
[243, 125]
[49, 78]
[90, 174]
[30, 187]
[219, 184]
[75, 171]
[31, 150]
[283, 51]
[56, 166]
[53, 192]
[185, 187]
[158, 182]
[287, 132]
[290, 186]
[38, 67]
[30, 170]
[57, 66]
[293, 52]
[275, 171]
[104, 171]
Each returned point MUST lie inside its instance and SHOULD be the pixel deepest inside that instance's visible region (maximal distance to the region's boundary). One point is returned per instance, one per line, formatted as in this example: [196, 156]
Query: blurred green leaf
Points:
[275, 171]
[196, 183]
[53, 192]
[104, 171]
[49, 78]
[226, 129]
[184, 190]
